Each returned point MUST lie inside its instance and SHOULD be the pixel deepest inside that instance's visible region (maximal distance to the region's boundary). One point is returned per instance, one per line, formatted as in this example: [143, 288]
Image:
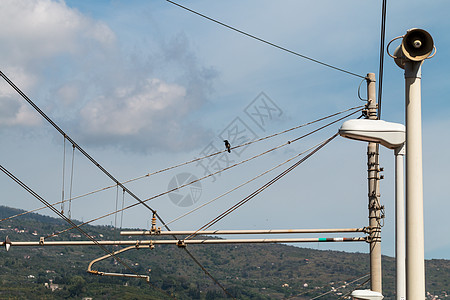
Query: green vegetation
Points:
[247, 271]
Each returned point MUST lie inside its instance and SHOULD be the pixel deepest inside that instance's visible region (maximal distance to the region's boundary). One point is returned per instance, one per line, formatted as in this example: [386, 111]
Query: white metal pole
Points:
[252, 231]
[400, 224]
[138, 243]
[415, 266]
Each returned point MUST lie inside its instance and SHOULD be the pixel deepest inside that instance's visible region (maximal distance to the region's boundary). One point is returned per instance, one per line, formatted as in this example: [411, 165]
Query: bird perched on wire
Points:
[228, 146]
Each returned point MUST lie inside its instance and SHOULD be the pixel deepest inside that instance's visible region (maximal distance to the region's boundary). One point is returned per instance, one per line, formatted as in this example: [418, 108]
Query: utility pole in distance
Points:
[373, 171]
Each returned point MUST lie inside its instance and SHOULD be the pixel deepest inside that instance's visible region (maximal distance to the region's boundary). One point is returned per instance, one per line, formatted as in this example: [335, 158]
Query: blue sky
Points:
[143, 85]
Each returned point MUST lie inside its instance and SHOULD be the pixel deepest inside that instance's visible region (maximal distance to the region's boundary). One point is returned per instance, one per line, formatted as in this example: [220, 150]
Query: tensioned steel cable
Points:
[260, 189]
[207, 176]
[75, 145]
[381, 68]
[357, 287]
[187, 162]
[238, 146]
[117, 203]
[222, 151]
[207, 273]
[38, 197]
[71, 184]
[242, 184]
[331, 291]
[289, 142]
[351, 282]
[264, 41]
[63, 176]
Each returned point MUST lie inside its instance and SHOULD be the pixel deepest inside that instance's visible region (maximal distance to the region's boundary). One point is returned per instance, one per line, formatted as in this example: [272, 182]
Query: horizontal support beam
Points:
[185, 242]
[147, 278]
[219, 232]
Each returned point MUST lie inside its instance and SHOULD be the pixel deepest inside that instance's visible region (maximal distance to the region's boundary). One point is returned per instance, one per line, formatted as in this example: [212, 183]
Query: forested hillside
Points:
[247, 271]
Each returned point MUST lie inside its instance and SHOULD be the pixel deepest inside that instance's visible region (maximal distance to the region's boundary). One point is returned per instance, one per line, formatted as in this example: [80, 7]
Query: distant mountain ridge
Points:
[6, 212]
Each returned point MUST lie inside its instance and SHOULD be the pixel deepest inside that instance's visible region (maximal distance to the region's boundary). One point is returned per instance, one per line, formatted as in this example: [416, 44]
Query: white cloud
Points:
[133, 109]
[69, 93]
[13, 111]
[97, 84]
[33, 30]
[32, 35]
[147, 116]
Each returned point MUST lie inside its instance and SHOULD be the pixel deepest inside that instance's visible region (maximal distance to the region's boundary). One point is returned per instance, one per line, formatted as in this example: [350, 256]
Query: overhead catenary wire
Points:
[357, 287]
[208, 274]
[347, 284]
[188, 162]
[232, 148]
[63, 175]
[208, 175]
[256, 156]
[260, 189]
[42, 200]
[381, 67]
[212, 174]
[242, 184]
[69, 213]
[265, 41]
[70, 198]
[82, 151]
[86, 155]
[121, 213]
[331, 291]
[75, 145]
[117, 203]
